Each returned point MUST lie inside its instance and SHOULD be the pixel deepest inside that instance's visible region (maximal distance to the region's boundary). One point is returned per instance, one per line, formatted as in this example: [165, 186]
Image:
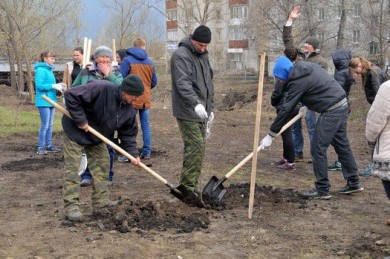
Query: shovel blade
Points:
[214, 191]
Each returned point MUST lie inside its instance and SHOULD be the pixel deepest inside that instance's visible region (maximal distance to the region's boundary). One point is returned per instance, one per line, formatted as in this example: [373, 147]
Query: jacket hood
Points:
[43, 65]
[341, 58]
[301, 69]
[186, 42]
[138, 53]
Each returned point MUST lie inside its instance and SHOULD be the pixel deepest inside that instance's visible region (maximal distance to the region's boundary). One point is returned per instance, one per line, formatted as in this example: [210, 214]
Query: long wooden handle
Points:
[256, 136]
[109, 142]
[246, 159]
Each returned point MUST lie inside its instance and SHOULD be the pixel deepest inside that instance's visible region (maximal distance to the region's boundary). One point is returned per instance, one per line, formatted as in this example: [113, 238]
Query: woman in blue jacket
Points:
[45, 84]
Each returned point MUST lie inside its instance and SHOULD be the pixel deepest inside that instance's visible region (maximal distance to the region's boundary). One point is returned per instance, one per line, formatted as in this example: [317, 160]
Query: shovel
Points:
[181, 192]
[214, 190]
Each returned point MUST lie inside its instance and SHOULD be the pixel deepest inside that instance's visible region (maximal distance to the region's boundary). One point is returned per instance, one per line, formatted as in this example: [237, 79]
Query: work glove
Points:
[201, 111]
[209, 124]
[266, 142]
[83, 164]
[303, 110]
[211, 117]
[61, 87]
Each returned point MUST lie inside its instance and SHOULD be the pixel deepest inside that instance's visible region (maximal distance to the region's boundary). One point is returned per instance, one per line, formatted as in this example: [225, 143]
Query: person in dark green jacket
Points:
[100, 69]
[192, 100]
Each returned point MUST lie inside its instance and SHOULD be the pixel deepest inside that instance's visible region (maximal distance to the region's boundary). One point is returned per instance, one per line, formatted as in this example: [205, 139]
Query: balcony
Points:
[170, 4]
[238, 44]
[238, 2]
[171, 25]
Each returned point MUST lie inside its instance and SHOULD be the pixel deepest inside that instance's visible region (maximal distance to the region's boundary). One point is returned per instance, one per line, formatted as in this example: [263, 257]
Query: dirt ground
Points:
[151, 223]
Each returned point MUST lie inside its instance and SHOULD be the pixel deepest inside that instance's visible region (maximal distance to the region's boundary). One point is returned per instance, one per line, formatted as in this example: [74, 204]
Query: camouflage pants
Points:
[98, 164]
[193, 135]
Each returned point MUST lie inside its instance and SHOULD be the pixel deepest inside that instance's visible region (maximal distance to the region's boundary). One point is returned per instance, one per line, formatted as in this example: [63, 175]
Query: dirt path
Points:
[151, 223]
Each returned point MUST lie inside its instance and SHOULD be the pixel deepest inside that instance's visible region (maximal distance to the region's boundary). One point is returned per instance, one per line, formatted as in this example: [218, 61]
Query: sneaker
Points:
[281, 161]
[335, 167]
[42, 152]
[85, 182]
[288, 166]
[315, 194]
[53, 149]
[74, 215]
[145, 157]
[123, 159]
[351, 189]
[367, 171]
[111, 176]
[298, 159]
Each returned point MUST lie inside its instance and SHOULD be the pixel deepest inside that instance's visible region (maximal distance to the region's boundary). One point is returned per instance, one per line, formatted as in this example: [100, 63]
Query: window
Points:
[239, 12]
[172, 15]
[357, 9]
[356, 36]
[321, 36]
[236, 33]
[340, 13]
[375, 21]
[374, 49]
[321, 14]
[172, 35]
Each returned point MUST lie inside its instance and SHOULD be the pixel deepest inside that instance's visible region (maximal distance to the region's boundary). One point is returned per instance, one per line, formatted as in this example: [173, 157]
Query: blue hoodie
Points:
[44, 79]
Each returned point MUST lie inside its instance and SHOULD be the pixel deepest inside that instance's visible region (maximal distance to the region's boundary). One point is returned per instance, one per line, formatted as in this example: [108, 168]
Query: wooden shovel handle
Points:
[109, 142]
[246, 159]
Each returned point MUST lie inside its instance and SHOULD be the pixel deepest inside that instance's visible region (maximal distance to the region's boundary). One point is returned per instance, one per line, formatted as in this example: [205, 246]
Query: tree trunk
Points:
[343, 21]
[14, 43]
[12, 72]
[29, 74]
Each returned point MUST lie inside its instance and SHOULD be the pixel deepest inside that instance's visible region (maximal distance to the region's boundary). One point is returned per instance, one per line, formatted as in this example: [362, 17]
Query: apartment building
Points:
[235, 47]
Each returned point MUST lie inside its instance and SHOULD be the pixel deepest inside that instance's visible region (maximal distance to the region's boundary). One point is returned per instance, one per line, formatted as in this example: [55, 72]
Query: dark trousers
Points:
[386, 184]
[288, 145]
[331, 129]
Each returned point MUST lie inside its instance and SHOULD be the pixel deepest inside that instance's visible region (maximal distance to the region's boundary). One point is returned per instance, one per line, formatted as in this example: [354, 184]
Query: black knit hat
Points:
[314, 42]
[202, 34]
[132, 85]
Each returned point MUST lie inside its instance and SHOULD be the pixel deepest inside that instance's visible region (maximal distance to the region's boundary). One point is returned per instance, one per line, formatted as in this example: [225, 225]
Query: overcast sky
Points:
[93, 13]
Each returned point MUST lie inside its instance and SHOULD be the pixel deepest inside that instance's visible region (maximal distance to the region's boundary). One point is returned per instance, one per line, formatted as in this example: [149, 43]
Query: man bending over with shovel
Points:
[192, 103]
[310, 84]
[106, 108]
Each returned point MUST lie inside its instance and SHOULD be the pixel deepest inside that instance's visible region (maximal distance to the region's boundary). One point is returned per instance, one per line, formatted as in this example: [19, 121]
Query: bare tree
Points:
[126, 17]
[33, 26]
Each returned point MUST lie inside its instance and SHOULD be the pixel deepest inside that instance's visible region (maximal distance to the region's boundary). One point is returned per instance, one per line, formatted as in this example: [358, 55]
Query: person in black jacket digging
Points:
[309, 84]
[106, 108]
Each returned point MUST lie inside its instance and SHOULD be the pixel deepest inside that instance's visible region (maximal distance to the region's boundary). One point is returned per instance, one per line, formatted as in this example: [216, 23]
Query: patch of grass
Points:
[23, 121]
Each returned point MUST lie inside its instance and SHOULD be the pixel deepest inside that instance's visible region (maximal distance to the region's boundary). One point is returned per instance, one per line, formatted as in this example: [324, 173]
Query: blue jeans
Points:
[331, 129]
[146, 136]
[297, 132]
[46, 130]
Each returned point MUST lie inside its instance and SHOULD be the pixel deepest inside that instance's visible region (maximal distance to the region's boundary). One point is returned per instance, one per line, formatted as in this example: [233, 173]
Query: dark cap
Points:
[132, 85]
[202, 34]
[313, 41]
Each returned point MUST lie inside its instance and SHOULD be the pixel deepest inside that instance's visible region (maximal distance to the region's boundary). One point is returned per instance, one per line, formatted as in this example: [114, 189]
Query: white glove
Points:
[83, 164]
[303, 110]
[201, 111]
[211, 117]
[59, 87]
[209, 124]
[266, 142]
